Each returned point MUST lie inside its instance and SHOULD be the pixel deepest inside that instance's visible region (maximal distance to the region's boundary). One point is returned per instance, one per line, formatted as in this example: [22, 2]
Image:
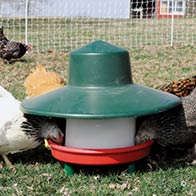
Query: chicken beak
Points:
[46, 144]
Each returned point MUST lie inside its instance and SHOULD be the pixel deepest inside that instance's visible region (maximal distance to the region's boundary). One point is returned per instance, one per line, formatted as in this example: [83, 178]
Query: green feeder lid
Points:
[100, 86]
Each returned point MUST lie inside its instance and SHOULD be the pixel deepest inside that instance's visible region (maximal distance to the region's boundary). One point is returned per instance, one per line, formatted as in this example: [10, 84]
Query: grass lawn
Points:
[38, 173]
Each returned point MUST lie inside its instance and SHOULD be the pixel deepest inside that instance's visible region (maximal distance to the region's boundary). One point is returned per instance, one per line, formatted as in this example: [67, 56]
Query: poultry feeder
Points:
[100, 105]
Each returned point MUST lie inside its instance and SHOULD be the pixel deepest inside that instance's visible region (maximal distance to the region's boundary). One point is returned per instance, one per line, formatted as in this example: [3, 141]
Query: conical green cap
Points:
[99, 64]
[100, 86]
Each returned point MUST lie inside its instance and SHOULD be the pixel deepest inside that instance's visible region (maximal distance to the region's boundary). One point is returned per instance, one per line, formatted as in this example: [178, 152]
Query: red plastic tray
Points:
[100, 156]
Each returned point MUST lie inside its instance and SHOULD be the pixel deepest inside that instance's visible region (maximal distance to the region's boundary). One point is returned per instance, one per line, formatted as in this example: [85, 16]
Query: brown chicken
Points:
[180, 88]
[11, 49]
[40, 81]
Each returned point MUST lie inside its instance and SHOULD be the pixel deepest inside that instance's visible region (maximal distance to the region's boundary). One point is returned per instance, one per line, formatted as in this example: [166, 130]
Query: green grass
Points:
[151, 66]
[38, 173]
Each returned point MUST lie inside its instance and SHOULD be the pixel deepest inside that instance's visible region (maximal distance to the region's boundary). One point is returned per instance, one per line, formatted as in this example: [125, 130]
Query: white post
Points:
[26, 21]
[172, 24]
[130, 9]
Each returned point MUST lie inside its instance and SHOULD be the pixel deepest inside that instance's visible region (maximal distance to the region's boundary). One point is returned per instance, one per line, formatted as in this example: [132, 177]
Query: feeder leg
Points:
[131, 168]
[68, 169]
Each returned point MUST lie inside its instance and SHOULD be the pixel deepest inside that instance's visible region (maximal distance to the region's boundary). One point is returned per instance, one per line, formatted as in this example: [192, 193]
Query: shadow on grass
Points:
[42, 155]
[39, 154]
[165, 159]
[151, 163]
[141, 166]
[15, 61]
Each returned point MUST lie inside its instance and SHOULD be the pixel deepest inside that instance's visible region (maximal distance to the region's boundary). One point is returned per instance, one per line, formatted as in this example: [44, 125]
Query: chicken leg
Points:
[7, 161]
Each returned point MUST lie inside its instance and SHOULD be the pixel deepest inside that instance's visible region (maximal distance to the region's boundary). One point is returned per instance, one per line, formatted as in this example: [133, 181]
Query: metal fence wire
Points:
[68, 24]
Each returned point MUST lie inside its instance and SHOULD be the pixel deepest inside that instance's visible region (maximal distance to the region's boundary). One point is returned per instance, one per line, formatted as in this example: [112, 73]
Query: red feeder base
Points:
[100, 156]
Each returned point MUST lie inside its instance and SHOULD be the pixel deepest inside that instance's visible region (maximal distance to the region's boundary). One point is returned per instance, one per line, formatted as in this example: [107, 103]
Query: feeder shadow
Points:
[37, 155]
[155, 161]
[101, 170]
[164, 159]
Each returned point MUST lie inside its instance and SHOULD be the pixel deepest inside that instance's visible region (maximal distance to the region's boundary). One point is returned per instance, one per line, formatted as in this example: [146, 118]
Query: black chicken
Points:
[3, 38]
[11, 49]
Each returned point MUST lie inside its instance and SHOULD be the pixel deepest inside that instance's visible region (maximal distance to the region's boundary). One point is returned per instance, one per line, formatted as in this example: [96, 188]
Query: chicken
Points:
[19, 132]
[185, 114]
[189, 105]
[174, 131]
[174, 127]
[3, 38]
[180, 88]
[11, 49]
[41, 81]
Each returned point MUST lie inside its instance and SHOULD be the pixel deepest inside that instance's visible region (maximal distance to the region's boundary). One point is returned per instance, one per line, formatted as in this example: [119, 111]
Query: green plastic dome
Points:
[100, 86]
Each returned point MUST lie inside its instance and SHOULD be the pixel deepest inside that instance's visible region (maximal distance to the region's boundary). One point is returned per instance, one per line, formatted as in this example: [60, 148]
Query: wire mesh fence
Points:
[69, 24]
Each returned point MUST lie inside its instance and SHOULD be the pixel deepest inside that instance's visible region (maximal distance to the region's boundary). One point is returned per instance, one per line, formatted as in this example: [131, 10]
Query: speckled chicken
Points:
[11, 49]
[174, 127]
[180, 88]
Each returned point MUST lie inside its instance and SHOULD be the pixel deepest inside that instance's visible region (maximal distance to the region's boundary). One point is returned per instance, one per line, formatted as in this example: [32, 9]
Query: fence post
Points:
[172, 25]
[26, 20]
